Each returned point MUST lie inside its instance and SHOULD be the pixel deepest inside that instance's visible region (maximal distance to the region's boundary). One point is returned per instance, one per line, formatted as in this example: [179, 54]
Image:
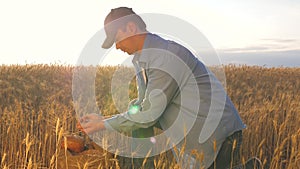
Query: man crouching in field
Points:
[177, 92]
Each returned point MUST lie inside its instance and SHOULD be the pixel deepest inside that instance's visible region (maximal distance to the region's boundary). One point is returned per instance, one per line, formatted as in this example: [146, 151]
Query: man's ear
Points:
[131, 28]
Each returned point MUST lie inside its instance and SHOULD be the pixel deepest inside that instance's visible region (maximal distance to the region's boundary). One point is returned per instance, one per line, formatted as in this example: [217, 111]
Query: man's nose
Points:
[117, 45]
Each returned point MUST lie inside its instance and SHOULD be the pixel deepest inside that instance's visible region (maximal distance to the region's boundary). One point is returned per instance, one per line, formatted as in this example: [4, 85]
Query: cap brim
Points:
[108, 42]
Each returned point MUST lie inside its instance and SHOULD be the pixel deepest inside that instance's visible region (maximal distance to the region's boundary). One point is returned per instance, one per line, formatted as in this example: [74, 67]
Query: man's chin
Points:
[130, 53]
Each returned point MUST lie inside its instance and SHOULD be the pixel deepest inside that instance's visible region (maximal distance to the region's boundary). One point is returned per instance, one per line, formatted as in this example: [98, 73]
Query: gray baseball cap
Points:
[118, 18]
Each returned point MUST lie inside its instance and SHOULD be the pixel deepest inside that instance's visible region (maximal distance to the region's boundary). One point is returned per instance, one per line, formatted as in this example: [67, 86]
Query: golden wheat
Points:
[37, 111]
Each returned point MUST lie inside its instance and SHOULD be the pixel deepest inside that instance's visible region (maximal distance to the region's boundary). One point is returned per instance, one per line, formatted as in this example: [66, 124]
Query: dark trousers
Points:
[229, 154]
[137, 163]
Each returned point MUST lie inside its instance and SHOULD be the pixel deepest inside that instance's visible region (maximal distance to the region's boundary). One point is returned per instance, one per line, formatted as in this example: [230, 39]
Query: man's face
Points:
[125, 42]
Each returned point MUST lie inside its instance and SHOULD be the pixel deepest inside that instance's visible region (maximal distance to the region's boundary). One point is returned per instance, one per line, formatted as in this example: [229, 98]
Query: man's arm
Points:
[161, 88]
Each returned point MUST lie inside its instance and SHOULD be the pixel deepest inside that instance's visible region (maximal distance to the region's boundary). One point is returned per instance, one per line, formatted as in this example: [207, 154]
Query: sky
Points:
[253, 32]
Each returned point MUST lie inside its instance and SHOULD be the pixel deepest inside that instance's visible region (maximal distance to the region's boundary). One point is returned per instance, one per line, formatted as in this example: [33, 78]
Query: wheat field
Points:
[37, 111]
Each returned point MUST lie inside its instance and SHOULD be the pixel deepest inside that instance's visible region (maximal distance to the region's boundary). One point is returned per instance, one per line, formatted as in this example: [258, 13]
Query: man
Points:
[177, 92]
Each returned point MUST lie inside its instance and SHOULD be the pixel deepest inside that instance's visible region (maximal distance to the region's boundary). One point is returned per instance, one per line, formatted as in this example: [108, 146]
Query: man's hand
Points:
[91, 123]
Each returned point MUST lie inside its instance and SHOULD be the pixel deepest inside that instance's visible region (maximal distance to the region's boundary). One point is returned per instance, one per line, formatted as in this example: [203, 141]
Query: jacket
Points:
[185, 98]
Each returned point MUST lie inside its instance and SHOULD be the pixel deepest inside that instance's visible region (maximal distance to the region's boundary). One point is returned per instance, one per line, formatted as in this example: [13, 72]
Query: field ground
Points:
[36, 111]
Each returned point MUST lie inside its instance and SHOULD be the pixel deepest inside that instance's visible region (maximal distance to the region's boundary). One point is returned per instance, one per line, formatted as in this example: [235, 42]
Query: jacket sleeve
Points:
[161, 88]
